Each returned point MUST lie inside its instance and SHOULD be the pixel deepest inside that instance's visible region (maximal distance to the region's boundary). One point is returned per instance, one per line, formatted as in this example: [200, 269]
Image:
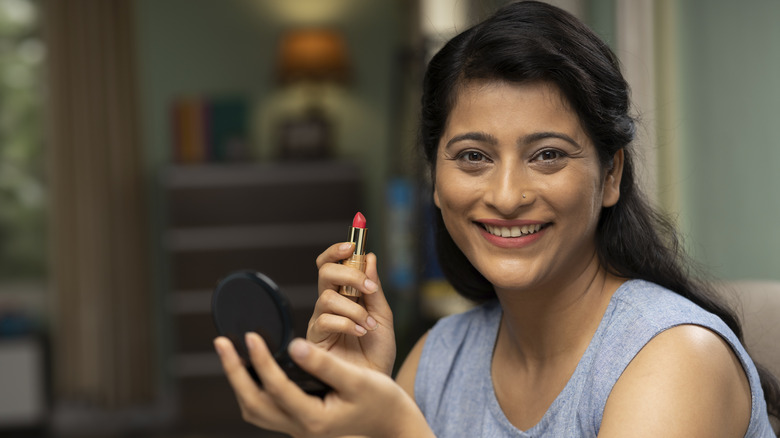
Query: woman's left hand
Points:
[362, 402]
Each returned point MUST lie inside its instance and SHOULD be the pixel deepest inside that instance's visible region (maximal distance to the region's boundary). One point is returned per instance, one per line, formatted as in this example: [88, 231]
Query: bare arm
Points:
[686, 382]
[408, 371]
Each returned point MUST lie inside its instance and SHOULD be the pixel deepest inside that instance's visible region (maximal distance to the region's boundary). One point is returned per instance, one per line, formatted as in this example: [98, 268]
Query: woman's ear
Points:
[611, 192]
[436, 197]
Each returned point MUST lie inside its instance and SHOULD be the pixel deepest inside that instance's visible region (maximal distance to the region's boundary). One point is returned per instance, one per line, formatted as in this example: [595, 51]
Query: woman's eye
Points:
[548, 155]
[472, 156]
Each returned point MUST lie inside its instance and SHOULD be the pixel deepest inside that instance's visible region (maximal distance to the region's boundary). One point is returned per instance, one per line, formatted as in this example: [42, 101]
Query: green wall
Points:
[729, 64]
[213, 47]
[229, 46]
[208, 47]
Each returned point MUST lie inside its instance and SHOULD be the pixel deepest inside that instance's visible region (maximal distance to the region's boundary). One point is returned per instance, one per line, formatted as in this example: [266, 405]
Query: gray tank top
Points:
[454, 389]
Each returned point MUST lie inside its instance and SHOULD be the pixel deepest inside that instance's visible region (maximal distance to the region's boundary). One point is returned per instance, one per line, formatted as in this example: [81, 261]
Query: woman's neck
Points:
[558, 320]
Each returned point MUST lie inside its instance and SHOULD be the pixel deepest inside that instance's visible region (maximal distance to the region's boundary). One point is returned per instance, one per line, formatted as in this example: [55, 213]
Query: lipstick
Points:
[357, 235]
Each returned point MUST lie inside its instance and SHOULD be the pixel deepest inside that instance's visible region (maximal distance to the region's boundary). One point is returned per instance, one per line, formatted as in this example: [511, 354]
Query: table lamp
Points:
[314, 57]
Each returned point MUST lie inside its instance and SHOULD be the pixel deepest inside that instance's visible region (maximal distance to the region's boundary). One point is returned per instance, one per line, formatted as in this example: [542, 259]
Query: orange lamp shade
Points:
[314, 55]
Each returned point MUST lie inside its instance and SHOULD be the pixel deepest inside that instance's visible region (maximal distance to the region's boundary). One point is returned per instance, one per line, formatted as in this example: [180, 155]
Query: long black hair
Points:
[531, 41]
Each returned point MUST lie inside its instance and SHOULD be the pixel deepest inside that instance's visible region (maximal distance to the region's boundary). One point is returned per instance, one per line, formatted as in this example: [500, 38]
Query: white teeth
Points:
[513, 231]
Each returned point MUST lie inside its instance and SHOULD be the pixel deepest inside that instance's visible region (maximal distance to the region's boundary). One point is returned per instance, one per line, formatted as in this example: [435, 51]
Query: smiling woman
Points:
[553, 297]
[589, 323]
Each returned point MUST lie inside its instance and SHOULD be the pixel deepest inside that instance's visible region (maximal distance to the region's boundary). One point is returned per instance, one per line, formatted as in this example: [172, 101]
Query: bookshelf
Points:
[271, 217]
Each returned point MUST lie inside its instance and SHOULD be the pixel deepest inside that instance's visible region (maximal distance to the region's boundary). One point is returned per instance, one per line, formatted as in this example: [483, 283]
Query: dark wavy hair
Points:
[531, 41]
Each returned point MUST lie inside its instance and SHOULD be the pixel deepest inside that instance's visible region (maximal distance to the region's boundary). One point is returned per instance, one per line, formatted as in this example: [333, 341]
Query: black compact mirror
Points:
[248, 301]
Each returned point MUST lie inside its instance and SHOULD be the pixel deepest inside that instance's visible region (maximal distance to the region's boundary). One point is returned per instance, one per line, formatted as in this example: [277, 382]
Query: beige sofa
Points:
[758, 306]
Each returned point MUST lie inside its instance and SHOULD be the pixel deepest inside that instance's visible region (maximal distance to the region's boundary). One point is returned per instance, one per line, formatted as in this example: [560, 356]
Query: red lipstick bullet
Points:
[357, 235]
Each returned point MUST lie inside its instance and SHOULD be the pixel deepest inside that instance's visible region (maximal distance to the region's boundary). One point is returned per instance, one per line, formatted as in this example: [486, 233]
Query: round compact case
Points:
[249, 301]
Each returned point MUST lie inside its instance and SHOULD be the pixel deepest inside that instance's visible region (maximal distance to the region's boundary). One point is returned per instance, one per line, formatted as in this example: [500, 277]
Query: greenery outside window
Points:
[22, 164]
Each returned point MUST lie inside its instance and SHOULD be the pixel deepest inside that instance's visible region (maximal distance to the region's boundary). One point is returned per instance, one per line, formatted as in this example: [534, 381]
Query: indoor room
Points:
[151, 148]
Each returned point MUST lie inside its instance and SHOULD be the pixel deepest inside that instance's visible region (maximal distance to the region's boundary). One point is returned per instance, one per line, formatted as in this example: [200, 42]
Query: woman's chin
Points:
[515, 284]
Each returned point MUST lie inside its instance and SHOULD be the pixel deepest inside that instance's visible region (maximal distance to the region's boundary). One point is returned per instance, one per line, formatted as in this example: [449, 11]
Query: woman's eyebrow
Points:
[526, 139]
[536, 136]
[474, 136]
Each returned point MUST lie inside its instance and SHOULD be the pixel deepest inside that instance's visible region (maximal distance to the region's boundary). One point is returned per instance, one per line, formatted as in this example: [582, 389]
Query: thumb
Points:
[327, 367]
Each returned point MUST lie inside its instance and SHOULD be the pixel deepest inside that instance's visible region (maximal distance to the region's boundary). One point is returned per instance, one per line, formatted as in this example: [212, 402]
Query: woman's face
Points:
[519, 184]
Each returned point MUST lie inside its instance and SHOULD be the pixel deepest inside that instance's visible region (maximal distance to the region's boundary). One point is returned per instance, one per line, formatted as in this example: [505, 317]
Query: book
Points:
[209, 129]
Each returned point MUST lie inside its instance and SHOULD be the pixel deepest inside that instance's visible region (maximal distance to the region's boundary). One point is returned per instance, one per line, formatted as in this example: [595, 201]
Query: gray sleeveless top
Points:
[454, 389]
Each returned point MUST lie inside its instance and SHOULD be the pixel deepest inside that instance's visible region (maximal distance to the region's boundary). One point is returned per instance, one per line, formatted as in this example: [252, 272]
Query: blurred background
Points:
[148, 148]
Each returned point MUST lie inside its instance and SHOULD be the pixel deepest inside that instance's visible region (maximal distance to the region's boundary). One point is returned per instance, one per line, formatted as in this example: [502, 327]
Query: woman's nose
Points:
[509, 190]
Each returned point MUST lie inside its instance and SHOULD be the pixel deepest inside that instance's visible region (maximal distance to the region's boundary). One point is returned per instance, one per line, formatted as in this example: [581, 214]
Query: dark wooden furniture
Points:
[273, 218]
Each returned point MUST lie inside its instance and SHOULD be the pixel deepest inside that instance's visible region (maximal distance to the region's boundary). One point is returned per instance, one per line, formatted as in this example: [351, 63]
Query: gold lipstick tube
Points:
[357, 260]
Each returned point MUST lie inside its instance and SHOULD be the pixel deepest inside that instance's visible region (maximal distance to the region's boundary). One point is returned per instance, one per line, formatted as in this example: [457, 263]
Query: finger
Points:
[272, 376]
[251, 399]
[285, 393]
[332, 276]
[335, 253]
[335, 313]
[339, 374]
[235, 370]
[326, 325]
[376, 303]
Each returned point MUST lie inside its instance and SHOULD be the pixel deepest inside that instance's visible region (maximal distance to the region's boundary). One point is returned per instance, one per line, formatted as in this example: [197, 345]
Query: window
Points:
[22, 164]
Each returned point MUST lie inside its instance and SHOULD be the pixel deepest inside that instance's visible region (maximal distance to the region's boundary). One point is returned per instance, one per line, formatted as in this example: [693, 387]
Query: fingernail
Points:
[299, 349]
[345, 246]
[370, 285]
[218, 347]
[371, 322]
[362, 330]
[251, 341]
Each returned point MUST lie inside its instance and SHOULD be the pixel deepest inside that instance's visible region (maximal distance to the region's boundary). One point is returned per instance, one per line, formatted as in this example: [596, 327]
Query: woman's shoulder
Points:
[648, 295]
[644, 302]
[674, 351]
[645, 317]
[669, 388]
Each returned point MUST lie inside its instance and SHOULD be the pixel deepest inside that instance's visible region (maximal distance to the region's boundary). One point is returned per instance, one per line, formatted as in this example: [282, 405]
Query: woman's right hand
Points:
[360, 332]
[363, 401]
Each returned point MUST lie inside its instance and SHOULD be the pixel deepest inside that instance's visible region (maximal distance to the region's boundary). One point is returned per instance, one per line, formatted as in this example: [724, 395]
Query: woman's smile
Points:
[519, 183]
[511, 234]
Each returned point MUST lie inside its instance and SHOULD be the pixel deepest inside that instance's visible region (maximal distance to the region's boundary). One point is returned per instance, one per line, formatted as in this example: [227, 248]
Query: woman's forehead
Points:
[475, 87]
[502, 105]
